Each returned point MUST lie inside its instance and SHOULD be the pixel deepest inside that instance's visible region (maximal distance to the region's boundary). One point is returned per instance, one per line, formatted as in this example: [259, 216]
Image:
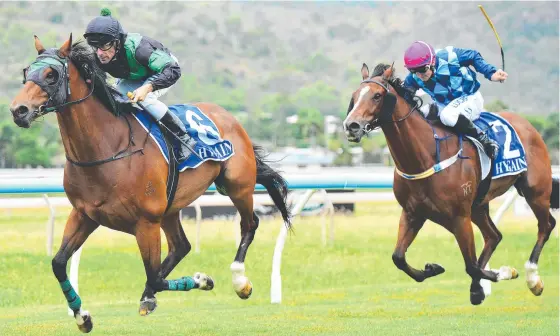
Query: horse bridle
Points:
[54, 90]
[376, 123]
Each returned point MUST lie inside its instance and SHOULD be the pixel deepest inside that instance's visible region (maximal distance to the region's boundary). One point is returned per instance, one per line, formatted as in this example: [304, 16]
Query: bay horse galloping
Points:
[447, 192]
[129, 191]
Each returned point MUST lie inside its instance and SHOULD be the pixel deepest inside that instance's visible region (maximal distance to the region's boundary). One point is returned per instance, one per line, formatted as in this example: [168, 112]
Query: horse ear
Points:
[365, 71]
[389, 72]
[39, 45]
[66, 47]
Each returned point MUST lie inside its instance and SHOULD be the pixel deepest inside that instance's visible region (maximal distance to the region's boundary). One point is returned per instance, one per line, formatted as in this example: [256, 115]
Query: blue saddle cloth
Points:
[511, 159]
[206, 139]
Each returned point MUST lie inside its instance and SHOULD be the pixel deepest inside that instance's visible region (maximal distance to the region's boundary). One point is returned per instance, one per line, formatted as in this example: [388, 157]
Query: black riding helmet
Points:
[103, 29]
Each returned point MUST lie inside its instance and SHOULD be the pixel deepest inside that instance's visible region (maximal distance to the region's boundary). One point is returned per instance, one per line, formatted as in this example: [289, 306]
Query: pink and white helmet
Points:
[419, 54]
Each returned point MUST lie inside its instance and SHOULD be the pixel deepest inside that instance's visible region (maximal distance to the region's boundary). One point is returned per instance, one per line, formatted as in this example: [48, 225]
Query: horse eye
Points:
[52, 76]
[377, 96]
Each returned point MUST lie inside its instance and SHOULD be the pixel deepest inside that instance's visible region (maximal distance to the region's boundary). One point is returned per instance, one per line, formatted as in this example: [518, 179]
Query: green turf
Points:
[351, 287]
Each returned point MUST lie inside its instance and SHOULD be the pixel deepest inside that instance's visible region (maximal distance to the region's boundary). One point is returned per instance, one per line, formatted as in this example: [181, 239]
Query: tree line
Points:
[296, 120]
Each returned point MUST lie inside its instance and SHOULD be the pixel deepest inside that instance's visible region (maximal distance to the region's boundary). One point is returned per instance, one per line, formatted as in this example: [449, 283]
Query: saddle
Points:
[484, 186]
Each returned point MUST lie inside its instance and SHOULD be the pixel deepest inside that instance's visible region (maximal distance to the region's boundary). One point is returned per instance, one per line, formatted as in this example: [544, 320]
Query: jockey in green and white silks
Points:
[141, 65]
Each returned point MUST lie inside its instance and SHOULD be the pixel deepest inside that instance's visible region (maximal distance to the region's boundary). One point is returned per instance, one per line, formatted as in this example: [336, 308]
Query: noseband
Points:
[385, 117]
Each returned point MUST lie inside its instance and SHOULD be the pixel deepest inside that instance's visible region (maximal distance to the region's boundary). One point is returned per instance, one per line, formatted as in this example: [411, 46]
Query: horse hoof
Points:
[87, 326]
[246, 291]
[204, 281]
[432, 270]
[538, 288]
[514, 273]
[477, 297]
[147, 306]
[505, 273]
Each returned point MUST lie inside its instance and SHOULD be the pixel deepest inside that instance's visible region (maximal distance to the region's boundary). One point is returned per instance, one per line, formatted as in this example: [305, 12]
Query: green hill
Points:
[237, 53]
[265, 61]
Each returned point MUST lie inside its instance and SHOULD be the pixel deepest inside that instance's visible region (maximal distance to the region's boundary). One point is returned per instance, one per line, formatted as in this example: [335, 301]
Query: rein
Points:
[120, 155]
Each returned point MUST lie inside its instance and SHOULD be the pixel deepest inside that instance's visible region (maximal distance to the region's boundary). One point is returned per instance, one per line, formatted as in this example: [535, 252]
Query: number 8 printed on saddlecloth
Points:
[203, 131]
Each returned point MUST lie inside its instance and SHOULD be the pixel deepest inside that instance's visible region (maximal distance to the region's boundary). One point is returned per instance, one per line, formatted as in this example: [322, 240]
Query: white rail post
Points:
[329, 210]
[275, 277]
[237, 229]
[74, 267]
[198, 211]
[50, 225]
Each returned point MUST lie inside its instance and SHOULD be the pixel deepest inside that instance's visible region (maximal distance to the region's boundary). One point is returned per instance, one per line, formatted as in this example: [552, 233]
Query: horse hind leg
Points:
[492, 237]
[538, 196]
[239, 186]
[77, 230]
[249, 224]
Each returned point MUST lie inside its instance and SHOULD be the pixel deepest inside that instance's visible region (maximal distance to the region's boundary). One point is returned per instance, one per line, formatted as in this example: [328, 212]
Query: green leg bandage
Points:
[183, 284]
[74, 301]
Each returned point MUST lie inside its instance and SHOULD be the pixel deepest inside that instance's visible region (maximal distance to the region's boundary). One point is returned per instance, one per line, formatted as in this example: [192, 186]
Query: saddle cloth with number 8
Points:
[206, 139]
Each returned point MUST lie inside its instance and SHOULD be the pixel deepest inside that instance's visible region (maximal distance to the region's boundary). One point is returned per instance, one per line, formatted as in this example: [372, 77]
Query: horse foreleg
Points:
[77, 230]
[492, 237]
[178, 246]
[462, 229]
[149, 241]
[408, 229]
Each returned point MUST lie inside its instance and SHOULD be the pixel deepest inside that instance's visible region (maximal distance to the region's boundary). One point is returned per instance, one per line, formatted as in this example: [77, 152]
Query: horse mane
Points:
[84, 59]
[395, 82]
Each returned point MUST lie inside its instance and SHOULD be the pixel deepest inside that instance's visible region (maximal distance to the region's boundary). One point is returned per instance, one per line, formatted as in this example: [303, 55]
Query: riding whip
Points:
[495, 33]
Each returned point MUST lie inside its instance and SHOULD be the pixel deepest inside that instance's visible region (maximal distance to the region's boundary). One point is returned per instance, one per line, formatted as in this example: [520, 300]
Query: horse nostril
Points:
[19, 110]
[354, 127]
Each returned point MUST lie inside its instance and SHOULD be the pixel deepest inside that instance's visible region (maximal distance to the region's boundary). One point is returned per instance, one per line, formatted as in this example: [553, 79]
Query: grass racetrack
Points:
[349, 288]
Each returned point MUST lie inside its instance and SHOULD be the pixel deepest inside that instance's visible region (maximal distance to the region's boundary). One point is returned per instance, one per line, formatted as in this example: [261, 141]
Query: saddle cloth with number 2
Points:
[511, 159]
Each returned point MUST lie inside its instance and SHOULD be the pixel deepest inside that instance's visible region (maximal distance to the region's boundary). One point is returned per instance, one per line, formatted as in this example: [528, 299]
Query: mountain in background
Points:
[245, 54]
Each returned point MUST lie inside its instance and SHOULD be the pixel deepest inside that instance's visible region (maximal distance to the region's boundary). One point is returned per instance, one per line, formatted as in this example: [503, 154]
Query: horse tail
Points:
[274, 183]
[555, 195]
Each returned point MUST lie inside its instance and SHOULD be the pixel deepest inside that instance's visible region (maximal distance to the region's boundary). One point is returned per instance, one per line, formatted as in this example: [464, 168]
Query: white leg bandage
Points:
[505, 273]
[239, 279]
[532, 274]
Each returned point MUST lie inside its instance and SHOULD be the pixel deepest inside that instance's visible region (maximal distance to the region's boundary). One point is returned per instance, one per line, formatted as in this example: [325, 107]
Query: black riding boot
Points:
[465, 126]
[176, 126]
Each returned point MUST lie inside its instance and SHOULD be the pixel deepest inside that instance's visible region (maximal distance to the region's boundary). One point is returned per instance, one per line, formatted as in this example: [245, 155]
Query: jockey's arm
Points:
[410, 83]
[472, 57]
[166, 69]
[414, 90]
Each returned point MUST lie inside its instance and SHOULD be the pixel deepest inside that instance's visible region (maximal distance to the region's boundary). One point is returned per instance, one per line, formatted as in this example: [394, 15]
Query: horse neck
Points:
[89, 131]
[411, 141]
